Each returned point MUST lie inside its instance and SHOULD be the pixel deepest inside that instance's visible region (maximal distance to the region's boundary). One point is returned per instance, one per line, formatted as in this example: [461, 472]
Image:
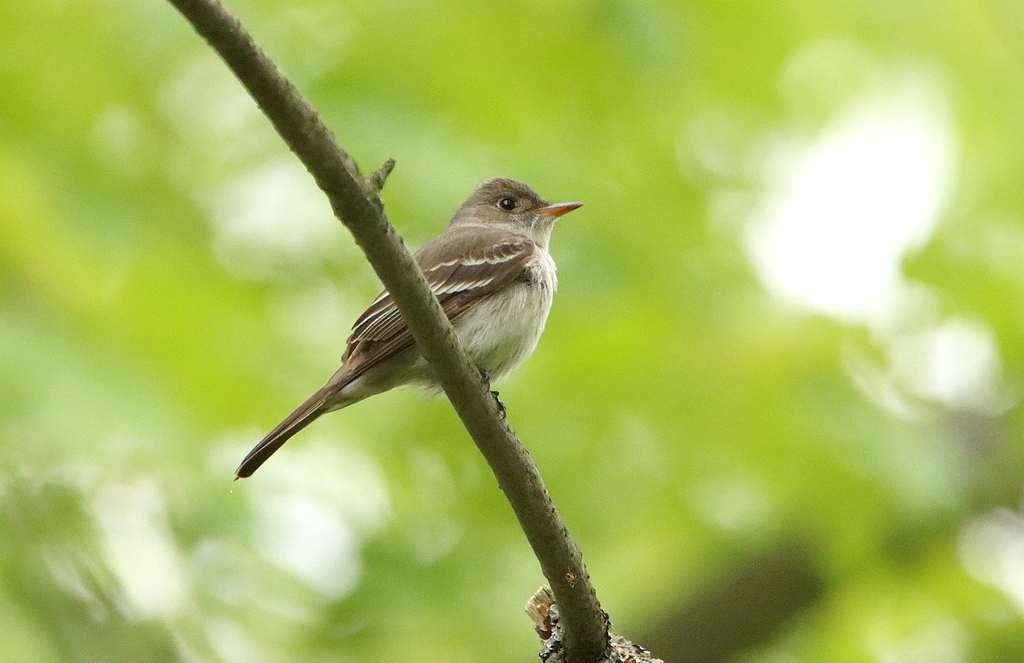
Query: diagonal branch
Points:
[356, 204]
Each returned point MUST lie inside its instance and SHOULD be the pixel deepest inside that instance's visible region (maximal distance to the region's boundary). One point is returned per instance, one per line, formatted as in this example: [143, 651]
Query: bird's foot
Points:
[485, 378]
[499, 404]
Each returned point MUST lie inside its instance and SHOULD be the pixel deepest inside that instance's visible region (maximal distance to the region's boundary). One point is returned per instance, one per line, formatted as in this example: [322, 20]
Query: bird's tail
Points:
[302, 416]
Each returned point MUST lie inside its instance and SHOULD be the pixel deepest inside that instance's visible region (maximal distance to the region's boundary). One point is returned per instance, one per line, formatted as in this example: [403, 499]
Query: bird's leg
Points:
[501, 406]
[486, 379]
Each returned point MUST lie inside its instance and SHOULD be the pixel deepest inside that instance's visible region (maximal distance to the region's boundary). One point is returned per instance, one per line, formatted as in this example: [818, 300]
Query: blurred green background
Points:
[778, 399]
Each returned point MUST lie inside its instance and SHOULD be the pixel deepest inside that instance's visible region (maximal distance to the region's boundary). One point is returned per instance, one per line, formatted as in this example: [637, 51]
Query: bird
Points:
[495, 279]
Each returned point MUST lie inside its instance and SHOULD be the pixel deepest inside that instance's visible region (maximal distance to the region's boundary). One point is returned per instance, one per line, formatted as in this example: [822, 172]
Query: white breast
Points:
[502, 331]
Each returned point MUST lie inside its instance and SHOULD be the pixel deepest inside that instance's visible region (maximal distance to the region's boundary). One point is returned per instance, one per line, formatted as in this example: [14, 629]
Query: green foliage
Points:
[171, 284]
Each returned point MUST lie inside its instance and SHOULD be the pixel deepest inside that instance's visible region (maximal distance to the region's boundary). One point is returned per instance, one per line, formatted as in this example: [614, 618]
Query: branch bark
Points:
[356, 204]
[542, 610]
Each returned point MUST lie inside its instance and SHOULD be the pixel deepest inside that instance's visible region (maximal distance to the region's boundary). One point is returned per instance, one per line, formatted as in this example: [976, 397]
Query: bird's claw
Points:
[501, 406]
[485, 378]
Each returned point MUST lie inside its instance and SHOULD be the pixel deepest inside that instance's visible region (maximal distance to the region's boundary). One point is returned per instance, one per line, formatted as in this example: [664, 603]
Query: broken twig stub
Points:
[544, 613]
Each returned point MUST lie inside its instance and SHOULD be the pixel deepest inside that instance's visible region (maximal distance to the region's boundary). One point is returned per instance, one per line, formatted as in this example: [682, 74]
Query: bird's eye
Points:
[507, 204]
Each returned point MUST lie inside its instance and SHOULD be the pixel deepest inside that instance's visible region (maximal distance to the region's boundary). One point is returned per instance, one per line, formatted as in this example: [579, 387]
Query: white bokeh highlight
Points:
[955, 363]
[827, 210]
[271, 217]
[316, 505]
[140, 548]
[840, 212]
[992, 551]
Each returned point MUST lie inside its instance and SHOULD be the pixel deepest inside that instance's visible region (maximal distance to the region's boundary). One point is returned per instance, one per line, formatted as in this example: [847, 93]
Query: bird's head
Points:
[501, 201]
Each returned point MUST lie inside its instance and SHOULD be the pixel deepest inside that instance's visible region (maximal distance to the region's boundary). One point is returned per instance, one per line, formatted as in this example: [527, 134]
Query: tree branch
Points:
[542, 610]
[379, 176]
[356, 204]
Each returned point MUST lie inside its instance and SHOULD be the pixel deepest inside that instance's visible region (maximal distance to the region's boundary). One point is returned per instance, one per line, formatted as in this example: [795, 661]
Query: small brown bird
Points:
[493, 275]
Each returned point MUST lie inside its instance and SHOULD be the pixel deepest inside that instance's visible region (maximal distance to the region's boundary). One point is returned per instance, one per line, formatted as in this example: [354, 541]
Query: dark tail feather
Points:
[304, 415]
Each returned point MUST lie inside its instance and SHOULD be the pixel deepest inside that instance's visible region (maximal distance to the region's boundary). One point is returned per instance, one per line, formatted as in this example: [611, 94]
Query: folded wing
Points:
[462, 267]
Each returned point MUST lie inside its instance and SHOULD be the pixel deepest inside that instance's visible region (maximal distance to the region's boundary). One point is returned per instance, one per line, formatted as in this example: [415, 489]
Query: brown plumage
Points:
[480, 258]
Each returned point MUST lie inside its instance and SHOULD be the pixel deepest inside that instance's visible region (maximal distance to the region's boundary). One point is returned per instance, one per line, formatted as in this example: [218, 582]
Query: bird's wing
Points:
[462, 267]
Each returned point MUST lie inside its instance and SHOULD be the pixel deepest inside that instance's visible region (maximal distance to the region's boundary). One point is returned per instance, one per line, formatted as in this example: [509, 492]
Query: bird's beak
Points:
[558, 209]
